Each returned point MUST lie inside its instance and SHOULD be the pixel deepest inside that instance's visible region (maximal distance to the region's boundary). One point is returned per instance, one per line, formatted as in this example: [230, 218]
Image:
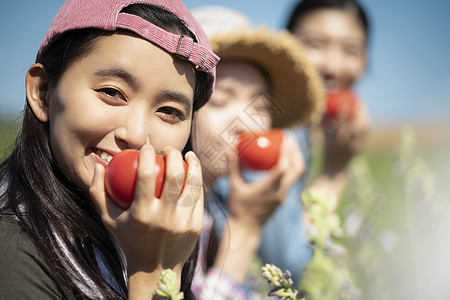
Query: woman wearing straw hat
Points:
[263, 81]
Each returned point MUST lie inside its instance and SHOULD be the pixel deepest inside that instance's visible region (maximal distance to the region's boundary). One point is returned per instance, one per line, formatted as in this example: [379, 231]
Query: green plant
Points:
[280, 281]
[327, 275]
[387, 238]
[168, 286]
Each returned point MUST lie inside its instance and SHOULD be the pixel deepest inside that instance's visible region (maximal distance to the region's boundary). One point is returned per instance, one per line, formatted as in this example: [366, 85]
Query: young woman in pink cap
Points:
[109, 76]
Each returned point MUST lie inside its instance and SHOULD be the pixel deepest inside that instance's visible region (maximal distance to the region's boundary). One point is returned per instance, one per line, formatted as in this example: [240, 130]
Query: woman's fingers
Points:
[145, 185]
[235, 176]
[293, 160]
[353, 133]
[108, 210]
[97, 188]
[192, 195]
[289, 167]
[175, 175]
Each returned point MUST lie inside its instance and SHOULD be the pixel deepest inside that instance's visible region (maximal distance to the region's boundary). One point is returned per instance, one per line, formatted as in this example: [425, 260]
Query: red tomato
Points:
[260, 151]
[121, 175]
[160, 174]
[342, 102]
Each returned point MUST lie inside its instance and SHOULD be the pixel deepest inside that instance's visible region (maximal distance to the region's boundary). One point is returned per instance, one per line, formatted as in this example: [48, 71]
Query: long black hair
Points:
[306, 6]
[58, 216]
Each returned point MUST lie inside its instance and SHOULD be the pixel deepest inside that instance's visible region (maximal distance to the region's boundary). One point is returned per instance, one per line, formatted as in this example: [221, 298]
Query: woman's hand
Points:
[252, 203]
[344, 138]
[153, 233]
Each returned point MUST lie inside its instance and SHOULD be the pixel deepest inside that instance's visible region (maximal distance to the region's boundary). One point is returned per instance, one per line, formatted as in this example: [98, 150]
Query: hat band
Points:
[182, 45]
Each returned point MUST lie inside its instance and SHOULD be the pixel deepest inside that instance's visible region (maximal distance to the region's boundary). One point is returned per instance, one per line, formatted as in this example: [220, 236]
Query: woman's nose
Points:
[134, 128]
[333, 63]
[258, 115]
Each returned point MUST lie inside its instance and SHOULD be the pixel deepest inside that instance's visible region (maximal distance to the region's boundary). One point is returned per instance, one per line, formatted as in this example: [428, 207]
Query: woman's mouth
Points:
[104, 155]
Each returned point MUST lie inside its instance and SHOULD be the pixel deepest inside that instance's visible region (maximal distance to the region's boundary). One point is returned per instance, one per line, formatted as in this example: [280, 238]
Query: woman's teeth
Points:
[106, 156]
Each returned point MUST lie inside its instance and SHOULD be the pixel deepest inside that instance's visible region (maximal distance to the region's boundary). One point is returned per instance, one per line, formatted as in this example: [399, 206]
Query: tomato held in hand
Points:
[260, 151]
[343, 103]
[121, 176]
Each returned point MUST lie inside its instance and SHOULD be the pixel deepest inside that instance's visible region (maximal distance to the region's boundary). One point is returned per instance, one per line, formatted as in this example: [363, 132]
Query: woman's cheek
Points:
[175, 136]
[315, 56]
[208, 123]
[206, 131]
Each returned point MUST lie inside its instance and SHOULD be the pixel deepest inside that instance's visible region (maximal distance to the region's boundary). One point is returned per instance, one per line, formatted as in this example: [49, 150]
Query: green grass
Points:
[405, 209]
[8, 134]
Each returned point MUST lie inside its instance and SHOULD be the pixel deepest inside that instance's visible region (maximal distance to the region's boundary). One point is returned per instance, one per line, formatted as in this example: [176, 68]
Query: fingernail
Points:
[167, 149]
[146, 146]
[190, 154]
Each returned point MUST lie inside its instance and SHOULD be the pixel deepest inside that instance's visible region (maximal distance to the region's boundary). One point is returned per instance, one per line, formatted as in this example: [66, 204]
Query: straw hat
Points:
[296, 88]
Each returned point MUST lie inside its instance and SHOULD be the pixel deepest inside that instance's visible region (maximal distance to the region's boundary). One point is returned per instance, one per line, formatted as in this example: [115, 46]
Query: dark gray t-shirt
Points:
[23, 272]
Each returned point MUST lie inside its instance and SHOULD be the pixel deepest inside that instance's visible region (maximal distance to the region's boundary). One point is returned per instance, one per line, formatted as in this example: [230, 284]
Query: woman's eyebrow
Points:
[119, 73]
[180, 98]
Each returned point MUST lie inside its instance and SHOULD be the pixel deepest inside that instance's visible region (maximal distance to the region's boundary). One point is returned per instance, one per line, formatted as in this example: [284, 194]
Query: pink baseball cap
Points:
[107, 15]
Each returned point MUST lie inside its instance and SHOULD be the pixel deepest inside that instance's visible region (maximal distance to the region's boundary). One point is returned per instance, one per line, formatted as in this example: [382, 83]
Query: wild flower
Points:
[168, 286]
[280, 281]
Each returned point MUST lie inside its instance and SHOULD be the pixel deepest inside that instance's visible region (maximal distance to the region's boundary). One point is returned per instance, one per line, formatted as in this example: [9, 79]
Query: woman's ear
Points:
[38, 91]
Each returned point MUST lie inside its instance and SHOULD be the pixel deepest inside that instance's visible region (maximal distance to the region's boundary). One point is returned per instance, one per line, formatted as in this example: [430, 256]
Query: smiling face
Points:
[126, 91]
[335, 42]
[238, 103]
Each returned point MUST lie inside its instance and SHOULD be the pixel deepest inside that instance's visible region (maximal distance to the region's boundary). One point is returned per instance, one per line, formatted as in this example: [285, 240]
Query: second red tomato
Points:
[260, 151]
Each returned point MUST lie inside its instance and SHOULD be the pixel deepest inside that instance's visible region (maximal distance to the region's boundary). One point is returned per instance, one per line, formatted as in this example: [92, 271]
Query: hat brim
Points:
[296, 89]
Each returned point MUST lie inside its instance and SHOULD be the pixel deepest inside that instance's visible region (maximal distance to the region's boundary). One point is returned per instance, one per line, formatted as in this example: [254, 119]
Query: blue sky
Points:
[408, 79]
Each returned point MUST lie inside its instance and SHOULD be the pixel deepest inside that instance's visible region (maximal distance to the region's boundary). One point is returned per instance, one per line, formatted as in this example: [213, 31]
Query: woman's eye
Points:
[171, 115]
[217, 101]
[354, 50]
[313, 43]
[111, 94]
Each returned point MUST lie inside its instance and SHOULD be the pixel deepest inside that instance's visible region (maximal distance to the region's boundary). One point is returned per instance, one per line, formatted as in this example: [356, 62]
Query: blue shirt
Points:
[284, 241]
